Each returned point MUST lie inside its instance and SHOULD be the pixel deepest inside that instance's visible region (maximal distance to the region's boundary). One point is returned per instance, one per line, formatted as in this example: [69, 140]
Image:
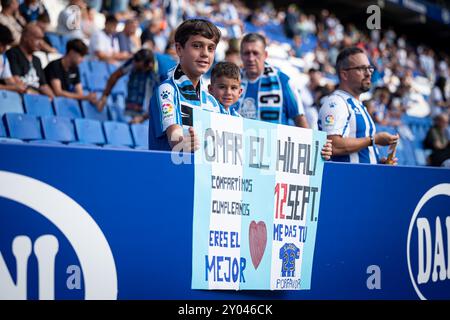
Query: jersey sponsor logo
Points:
[167, 109]
[70, 225]
[428, 244]
[248, 108]
[329, 120]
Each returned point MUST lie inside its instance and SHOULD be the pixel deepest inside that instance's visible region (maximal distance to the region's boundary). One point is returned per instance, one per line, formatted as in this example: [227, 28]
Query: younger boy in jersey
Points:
[173, 100]
[226, 86]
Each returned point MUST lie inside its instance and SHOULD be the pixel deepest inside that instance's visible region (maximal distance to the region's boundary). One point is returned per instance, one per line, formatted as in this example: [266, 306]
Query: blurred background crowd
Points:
[410, 89]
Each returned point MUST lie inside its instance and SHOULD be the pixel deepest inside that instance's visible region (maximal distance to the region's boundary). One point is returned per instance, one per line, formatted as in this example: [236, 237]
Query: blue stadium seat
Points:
[37, 105]
[99, 67]
[85, 70]
[389, 129]
[165, 63]
[116, 109]
[140, 134]
[117, 133]
[3, 135]
[23, 126]
[406, 149]
[90, 111]
[66, 107]
[55, 40]
[96, 81]
[120, 101]
[10, 102]
[89, 131]
[58, 129]
[421, 157]
[63, 42]
[112, 67]
[121, 86]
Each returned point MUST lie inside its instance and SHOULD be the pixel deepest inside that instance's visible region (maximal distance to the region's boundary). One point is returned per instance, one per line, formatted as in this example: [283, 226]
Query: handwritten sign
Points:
[256, 204]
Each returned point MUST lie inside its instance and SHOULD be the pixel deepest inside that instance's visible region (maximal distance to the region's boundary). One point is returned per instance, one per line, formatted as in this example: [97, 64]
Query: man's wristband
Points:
[372, 141]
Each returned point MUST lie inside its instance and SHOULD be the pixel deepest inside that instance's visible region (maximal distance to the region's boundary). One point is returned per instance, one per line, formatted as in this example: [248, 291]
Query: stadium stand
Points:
[408, 70]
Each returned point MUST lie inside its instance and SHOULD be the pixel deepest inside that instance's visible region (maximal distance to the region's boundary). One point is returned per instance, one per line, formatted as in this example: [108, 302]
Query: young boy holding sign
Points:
[172, 102]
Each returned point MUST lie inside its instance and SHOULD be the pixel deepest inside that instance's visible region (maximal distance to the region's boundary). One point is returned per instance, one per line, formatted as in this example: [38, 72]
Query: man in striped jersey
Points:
[345, 119]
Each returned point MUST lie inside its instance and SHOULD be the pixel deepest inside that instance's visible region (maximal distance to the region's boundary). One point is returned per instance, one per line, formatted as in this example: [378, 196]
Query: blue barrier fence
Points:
[375, 238]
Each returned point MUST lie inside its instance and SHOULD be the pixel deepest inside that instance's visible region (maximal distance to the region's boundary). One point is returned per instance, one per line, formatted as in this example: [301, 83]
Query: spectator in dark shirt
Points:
[25, 67]
[64, 76]
[140, 85]
[438, 141]
[7, 81]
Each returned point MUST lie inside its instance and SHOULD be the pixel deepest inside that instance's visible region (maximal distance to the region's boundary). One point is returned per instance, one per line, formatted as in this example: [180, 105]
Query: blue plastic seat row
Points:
[79, 131]
[39, 105]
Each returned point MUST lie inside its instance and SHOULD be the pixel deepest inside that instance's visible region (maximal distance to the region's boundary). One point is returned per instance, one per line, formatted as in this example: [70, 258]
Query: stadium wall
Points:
[81, 223]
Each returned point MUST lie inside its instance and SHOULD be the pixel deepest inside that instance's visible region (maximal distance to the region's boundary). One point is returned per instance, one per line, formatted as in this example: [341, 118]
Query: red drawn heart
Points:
[258, 239]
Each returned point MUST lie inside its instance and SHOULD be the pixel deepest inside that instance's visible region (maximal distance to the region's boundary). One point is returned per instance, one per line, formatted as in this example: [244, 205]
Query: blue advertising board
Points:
[81, 223]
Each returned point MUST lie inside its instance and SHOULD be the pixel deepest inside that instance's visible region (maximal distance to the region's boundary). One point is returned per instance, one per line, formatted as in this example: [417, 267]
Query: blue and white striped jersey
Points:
[342, 114]
[173, 102]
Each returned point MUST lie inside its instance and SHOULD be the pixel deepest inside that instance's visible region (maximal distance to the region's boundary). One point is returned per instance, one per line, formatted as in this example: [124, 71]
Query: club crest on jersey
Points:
[165, 94]
[248, 108]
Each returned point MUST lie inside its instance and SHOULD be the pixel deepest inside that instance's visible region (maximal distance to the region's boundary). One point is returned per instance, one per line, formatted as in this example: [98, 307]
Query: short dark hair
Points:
[225, 69]
[6, 36]
[342, 58]
[111, 19]
[144, 55]
[6, 3]
[44, 17]
[78, 46]
[231, 50]
[253, 37]
[193, 27]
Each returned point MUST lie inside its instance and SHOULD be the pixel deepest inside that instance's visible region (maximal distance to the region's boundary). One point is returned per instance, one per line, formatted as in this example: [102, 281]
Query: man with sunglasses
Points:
[344, 117]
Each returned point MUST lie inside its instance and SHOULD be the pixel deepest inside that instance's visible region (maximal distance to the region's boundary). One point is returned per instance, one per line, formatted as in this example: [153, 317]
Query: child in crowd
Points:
[172, 102]
[226, 86]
